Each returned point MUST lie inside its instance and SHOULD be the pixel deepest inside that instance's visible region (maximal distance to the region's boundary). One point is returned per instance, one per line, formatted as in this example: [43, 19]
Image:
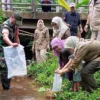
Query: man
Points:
[72, 18]
[93, 19]
[46, 8]
[10, 31]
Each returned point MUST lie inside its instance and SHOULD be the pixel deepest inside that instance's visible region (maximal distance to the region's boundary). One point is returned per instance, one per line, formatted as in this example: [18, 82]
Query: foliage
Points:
[44, 73]
[84, 2]
[2, 17]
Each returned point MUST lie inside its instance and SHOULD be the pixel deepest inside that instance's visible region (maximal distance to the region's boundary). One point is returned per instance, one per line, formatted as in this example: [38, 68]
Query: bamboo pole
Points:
[25, 32]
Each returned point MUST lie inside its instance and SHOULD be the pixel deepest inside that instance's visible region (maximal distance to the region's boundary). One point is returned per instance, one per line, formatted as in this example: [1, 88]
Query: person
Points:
[58, 49]
[10, 31]
[41, 42]
[89, 51]
[46, 8]
[72, 18]
[6, 6]
[93, 18]
[60, 28]
[65, 57]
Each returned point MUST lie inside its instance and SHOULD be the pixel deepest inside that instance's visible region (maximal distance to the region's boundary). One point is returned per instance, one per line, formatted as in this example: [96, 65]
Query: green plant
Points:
[43, 73]
[84, 2]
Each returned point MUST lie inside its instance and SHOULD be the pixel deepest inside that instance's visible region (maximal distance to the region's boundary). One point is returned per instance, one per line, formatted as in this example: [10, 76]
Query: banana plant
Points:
[84, 2]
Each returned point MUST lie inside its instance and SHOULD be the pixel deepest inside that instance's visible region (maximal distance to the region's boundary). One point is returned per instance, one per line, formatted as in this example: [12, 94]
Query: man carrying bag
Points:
[9, 37]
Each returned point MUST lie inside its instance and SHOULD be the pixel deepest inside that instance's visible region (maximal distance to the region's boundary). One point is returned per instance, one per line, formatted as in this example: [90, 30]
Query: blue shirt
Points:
[74, 20]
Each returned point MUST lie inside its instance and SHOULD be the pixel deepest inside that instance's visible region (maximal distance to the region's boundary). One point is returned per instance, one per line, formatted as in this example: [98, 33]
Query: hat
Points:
[18, 18]
[72, 4]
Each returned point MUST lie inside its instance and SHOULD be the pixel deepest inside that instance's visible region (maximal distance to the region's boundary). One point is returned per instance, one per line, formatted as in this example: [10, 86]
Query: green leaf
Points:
[42, 89]
[85, 2]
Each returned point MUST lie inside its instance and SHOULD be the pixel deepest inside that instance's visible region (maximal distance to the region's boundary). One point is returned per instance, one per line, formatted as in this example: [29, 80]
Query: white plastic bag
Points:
[15, 61]
[57, 84]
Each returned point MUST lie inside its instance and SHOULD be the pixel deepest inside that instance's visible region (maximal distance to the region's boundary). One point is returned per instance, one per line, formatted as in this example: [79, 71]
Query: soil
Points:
[21, 89]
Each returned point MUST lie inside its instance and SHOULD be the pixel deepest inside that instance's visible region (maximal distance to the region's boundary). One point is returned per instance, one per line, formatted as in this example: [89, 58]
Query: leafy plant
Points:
[84, 2]
[43, 73]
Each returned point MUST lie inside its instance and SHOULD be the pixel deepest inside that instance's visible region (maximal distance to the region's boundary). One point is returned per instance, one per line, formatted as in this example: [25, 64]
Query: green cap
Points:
[18, 18]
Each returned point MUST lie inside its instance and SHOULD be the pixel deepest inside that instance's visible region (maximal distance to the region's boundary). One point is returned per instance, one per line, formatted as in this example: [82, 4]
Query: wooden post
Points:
[33, 7]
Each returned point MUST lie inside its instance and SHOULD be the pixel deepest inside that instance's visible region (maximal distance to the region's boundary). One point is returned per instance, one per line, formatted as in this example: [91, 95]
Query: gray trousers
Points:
[87, 75]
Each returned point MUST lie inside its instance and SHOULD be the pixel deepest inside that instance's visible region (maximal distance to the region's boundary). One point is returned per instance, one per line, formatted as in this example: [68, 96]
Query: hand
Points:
[86, 28]
[14, 44]
[59, 71]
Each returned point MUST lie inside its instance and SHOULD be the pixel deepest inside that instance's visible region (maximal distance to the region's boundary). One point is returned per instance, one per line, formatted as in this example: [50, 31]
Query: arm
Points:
[80, 30]
[48, 38]
[87, 24]
[5, 33]
[80, 25]
[81, 53]
[66, 66]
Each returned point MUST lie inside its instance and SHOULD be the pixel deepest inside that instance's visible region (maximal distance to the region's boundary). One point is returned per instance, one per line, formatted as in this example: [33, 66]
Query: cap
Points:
[72, 4]
[18, 18]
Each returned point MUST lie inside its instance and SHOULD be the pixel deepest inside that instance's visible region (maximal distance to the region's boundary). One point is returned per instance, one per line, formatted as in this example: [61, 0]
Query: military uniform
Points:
[7, 27]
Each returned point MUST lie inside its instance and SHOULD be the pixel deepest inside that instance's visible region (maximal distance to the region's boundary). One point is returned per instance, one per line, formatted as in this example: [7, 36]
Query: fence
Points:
[33, 7]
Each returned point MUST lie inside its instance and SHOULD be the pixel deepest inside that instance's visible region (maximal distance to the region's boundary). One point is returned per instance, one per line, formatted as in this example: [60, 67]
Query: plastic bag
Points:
[57, 84]
[15, 61]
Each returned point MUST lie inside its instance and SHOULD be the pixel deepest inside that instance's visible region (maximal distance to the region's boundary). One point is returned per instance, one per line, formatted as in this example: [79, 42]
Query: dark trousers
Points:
[87, 75]
[5, 81]
[46, 8]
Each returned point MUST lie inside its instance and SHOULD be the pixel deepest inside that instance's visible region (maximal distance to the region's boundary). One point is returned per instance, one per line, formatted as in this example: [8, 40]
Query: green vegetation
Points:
[43, 73]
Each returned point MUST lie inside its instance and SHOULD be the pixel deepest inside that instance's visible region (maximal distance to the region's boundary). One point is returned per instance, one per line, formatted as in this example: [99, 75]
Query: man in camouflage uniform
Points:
[9, 36]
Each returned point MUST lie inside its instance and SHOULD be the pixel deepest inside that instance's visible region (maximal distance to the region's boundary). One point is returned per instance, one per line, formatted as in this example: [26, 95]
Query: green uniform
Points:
[3, 68]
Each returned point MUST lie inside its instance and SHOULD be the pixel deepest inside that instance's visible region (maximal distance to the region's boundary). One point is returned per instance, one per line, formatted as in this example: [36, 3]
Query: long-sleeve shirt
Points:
[41, 39]
[88, 52]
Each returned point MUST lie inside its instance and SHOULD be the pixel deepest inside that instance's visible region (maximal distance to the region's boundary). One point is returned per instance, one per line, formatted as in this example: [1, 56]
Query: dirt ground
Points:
[21, 89]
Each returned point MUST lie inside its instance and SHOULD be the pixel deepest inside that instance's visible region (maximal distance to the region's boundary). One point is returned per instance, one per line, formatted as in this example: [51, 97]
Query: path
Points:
[21, 89]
